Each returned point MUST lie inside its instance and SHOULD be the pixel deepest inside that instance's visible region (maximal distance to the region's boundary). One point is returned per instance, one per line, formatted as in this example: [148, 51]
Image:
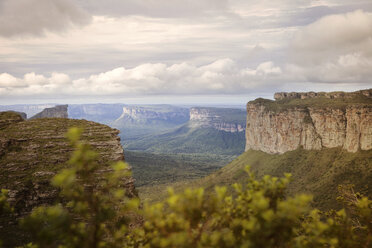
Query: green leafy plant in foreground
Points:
[94, 211]
[255, 214]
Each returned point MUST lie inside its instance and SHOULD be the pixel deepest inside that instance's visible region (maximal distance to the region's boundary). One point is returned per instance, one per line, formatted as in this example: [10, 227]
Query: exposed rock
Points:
[59, 111]
[214, 118]
[276, 127]
[31, 152]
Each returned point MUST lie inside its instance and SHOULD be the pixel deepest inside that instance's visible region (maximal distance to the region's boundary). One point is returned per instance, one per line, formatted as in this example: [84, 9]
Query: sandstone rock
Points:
[276, 127]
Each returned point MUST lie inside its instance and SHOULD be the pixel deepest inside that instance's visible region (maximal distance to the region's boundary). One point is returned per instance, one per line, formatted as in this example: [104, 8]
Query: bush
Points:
[255, 214]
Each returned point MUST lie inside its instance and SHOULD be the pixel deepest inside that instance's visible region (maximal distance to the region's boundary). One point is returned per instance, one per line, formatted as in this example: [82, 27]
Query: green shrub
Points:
[255, 214]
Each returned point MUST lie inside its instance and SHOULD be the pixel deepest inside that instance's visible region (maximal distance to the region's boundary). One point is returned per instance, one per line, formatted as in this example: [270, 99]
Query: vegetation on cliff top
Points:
[317, 102]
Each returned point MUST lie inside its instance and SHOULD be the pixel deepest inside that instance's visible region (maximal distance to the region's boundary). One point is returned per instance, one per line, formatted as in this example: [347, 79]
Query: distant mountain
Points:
[59, 111]
[29, 109]
[209, 130]
[102, 113]
[140, 120]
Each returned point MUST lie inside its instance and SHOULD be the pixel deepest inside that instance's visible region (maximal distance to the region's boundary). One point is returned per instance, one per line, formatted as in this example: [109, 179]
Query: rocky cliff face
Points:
[59, 111]
[32, 152]
[313, 122]
[218, 119]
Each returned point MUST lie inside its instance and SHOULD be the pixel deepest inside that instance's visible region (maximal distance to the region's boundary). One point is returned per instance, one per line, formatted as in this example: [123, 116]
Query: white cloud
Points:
[220, 77]
[35, 17]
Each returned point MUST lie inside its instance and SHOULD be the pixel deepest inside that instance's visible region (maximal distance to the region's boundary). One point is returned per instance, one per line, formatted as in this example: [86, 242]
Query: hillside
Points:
[315, 172]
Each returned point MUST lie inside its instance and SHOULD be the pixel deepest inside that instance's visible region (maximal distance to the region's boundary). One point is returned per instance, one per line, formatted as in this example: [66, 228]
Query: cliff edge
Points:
[311, 120]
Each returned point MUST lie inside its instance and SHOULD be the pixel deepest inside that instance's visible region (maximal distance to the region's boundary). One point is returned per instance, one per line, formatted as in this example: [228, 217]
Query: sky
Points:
[181, 51]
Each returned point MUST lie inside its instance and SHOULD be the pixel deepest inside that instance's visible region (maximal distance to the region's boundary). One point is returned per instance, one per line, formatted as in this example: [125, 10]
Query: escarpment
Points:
[311, 120]
[32, 152]
[228, 120]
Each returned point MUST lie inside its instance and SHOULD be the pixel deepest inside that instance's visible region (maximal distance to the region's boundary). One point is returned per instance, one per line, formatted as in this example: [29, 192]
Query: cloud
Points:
[35, 17]
[223, 76]
[335, 48]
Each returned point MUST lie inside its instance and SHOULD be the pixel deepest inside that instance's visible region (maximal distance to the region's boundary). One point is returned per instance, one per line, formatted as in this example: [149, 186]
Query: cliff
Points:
[32, 152]
[228, 120]
[59, 111]
[311, 120]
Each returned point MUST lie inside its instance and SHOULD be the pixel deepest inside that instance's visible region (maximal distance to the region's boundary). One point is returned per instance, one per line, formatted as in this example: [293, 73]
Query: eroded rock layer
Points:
[311, 122]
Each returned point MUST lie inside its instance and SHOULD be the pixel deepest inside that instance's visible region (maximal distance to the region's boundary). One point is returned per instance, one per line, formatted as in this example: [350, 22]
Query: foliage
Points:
[255, 214]
[92, 214]
[317, 102]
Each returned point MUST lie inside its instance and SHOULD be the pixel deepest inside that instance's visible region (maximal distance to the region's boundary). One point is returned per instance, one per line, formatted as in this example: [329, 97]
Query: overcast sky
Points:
[181, 51]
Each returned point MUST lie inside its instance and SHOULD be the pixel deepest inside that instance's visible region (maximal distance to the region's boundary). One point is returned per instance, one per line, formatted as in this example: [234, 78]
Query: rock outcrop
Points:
[59, 111]
[228, 120]
[311, 120]
[33, 151]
